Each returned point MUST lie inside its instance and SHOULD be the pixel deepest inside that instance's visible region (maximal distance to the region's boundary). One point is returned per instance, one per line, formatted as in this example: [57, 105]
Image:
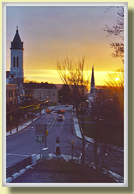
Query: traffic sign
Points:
[39, 139]
[40, 130]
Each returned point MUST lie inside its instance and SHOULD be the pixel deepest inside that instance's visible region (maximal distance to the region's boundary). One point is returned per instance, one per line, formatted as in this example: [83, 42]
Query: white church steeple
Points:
[92, 81]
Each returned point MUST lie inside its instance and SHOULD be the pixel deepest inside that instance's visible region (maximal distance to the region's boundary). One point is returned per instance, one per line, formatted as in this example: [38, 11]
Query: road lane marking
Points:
[52, 123]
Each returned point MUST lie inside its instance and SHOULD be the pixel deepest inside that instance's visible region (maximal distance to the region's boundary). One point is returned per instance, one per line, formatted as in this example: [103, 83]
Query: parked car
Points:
[60, 117]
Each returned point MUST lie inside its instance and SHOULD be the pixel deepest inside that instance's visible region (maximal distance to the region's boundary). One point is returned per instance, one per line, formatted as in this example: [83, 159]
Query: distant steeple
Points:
[16, 43]
[92, 81]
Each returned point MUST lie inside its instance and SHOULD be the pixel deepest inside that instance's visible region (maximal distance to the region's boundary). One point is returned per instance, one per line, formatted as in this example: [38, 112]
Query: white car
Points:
[60, 117]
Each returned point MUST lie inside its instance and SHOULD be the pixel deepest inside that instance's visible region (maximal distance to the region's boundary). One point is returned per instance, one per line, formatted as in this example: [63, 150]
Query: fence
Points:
[17, 167]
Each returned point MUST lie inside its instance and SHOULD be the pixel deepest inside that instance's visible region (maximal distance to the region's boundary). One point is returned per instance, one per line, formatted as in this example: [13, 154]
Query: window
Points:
[17, 62]
[14, 62]
[11, 93]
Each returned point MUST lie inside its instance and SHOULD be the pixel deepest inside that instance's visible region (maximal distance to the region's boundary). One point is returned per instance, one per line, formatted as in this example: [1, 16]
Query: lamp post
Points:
[40, 102]
[11, 124]
[16, 95]
[72, 142]
[32, 113]
[40, 107]
[47, 101]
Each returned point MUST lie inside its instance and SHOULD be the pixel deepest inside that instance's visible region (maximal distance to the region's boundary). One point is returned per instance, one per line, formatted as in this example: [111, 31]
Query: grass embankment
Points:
[110, 133]
[56, 171]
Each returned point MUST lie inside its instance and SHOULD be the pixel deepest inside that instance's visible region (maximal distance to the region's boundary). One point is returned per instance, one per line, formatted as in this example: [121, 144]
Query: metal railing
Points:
[10, 170]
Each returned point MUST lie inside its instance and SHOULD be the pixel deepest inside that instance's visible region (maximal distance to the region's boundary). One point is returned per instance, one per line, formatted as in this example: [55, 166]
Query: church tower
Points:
[92, 89]
[16, 68]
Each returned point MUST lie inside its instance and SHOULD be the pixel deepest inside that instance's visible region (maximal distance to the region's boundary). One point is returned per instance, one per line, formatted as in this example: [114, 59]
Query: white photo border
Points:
[125, 184]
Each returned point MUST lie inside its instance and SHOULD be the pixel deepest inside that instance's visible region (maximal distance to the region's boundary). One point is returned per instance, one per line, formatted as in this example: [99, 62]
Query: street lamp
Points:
[72, 142]
[11, 124]
[16, 95]
[47, 101]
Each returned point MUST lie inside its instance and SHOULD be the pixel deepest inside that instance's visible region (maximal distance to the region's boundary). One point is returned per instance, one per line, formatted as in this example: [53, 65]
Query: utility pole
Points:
[46, 134]
[10, 124]
[72, 142]
[40, 108]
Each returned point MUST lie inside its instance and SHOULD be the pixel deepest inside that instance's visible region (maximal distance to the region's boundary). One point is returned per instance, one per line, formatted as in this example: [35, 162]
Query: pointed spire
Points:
[16, 43]
[16, 28]
[92, 81]
[92, 78]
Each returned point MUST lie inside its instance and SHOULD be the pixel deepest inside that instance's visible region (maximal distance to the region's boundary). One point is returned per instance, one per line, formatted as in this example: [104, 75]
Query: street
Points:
[23, 144]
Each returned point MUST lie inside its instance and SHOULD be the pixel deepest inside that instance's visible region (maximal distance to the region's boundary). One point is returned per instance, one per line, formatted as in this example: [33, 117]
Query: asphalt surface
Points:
[23, 144]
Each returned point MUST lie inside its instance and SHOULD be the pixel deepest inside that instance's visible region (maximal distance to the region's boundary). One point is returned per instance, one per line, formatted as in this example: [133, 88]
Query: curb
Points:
[9, 133]
[17, 174]
[90, 140]
[67, 158]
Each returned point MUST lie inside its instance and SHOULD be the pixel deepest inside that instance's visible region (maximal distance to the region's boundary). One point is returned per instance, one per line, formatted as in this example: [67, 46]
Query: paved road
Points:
[23, 144]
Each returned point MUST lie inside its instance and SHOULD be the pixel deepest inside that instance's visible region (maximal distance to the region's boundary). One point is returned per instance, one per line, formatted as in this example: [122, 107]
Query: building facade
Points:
[41, 91]
[11, 98]
[15, 76]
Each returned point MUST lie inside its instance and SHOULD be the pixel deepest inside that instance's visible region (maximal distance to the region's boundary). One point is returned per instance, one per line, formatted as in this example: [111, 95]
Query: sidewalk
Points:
[76, 128]
[22, 126]
[26, 123]
[90, 140]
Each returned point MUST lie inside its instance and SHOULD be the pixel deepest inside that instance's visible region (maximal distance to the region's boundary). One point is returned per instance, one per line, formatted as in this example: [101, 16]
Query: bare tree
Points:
[20, 89]
[115, 88]
[108, 109]
[117, 30]
[72, 74]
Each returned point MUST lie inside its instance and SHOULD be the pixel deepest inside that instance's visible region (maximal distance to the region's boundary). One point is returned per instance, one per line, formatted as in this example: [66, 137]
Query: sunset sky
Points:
[51, 33]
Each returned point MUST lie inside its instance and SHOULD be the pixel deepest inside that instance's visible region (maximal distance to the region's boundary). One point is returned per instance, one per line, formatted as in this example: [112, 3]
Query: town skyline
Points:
[51, 33]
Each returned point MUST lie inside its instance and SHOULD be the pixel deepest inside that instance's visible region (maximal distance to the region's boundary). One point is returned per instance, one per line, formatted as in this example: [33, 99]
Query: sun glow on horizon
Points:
[117, 79]
[52, 76]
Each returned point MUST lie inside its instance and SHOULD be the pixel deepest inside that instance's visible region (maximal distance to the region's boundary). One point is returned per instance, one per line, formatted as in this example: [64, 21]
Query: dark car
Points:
[61, 111]
[48, 111]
